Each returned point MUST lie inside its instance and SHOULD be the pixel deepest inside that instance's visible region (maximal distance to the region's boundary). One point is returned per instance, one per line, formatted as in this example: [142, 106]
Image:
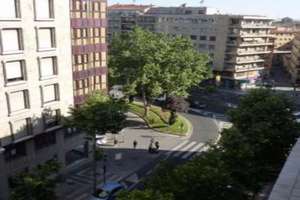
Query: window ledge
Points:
[26, 110]
[10, 19]
[45, 19]
[27, 137]
[15, 83]
[48, 77]
[51, 103]
[53, 128]
[12, 52]
[46, 49]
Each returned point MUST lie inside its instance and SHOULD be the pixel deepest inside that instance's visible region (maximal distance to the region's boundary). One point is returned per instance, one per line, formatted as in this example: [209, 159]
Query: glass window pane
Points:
[47, 67]
[49, 93]
[8, 9]
[45, 38]
[13, 70]
[17, 101]
[10, 40]
[42, 9]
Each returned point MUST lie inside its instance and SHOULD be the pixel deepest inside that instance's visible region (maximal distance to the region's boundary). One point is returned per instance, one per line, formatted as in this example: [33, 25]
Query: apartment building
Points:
[239, 46]
[89, 57]
[36, 86]
[123, 17]
[293, 63]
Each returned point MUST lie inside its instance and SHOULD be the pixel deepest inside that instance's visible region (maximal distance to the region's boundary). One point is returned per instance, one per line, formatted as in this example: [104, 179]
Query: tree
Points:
[134, 63]
[144, 195]
[37, 184]
[183, 67]
[205, 177]
[264, 130]
[99, 115]
[152, 64]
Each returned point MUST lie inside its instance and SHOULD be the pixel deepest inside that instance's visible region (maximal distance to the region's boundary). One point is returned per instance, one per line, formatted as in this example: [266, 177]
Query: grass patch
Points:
[157, 120]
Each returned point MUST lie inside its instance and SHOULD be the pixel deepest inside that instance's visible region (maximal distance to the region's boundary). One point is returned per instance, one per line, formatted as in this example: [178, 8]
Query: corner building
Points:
[36, 85]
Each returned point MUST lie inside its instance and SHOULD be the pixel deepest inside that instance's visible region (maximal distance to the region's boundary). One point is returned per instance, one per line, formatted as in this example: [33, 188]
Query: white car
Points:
[297, 116]
[101, 139]
[116, 92]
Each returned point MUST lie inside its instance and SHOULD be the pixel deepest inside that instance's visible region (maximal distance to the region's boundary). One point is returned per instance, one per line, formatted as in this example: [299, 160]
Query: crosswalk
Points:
[186, 150]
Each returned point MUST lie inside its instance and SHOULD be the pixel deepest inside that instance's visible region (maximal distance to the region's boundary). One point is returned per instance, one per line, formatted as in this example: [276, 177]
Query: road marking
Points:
[202, 150]
[182, 151]
[193, 150]
[177, 147]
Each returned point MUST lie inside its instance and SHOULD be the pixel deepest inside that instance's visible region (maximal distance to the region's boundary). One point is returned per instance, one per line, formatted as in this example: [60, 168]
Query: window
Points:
[18, 100]
[44, 9]
[202, 46]
[211, 47]
[44, 140]
[51, 118]
[11, 40]
[202, 37]
[193, 37]
[46, 39]
[9, 9]
[21, 128]
[15, 71]
[212, 38]
[48, 67]
[50, 93]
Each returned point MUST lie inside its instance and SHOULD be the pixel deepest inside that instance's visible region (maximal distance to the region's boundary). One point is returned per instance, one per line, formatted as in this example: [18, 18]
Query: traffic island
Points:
[157, 119]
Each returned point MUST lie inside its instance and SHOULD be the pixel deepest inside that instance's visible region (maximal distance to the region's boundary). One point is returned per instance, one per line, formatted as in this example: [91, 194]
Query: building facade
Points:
[36, 86]
[239, 46]
[89, 57]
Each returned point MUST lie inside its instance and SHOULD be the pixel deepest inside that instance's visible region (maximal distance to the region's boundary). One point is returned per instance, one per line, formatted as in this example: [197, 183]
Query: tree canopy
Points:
[249, 155]
[99, 114]
[37, 184]
[152, 64]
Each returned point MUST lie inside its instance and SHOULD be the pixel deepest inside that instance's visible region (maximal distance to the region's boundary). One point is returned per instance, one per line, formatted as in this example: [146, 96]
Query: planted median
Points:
[157, 119]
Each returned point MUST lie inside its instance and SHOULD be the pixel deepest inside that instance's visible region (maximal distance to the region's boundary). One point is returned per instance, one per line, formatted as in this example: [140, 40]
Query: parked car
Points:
[108, 191]
[101, 139]
[116, 92]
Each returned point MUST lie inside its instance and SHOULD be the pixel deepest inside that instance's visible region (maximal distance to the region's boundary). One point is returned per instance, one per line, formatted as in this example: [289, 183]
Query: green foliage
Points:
[98, 115]
[263, 132]
[245, 159]
[157, 119]
[152, 64]
[36, 185]
[206, 177]
[144, 195]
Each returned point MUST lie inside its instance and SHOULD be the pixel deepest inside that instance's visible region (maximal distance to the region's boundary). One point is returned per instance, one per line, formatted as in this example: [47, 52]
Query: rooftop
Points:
[129, 7]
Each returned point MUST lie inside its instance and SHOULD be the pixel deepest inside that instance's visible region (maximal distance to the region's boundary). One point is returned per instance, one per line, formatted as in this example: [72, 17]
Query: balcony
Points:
[245, 61]
[257, 26]
[253, 52]
[248, 44]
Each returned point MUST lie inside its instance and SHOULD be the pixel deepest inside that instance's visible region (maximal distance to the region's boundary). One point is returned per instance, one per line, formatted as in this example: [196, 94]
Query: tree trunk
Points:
[94, 165]
[145, 102]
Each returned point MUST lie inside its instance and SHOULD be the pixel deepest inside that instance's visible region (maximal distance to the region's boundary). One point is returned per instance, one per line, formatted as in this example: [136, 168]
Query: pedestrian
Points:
[134, 144]
[152, 140]
[157, 145]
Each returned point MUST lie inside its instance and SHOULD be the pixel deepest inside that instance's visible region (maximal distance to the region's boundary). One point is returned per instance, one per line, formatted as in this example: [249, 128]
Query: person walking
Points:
[157, 145]
[134, 144]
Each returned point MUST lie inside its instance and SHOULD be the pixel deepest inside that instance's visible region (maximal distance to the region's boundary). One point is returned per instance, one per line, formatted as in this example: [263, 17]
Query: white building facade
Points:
[35, 85]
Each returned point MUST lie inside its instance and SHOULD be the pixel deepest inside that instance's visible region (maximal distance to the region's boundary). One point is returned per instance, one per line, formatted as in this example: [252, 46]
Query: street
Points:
[128, 165]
